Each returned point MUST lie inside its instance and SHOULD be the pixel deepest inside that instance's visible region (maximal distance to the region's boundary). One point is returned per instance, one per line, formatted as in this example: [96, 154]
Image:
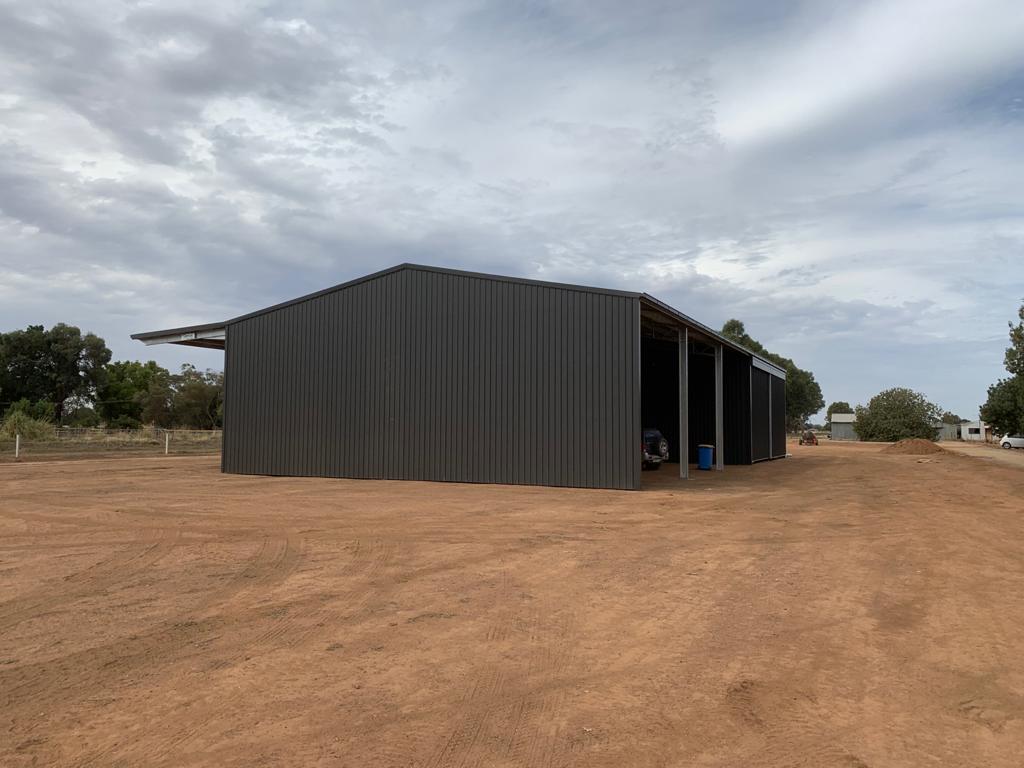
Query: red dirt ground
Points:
[841, 608]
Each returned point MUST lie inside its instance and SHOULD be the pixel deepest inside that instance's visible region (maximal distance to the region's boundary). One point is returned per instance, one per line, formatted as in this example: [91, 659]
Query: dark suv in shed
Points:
[654, 449]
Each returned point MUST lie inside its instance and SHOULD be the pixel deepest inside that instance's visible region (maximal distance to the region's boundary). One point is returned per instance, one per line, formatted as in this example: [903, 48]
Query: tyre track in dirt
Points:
[153, 545]
[774, 722]
[292, 626]
[273, 562]
[287, 632]
[166, 642]
[504, 711]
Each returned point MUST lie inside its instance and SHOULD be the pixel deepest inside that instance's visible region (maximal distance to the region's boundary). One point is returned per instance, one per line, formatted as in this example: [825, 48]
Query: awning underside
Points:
[209, 336]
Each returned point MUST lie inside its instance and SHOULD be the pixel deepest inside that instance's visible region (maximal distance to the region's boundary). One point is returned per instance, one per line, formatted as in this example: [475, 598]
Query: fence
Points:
[82, 442]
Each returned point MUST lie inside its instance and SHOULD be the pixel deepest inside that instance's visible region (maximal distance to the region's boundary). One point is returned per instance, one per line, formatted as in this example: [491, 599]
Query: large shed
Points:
[421, 373]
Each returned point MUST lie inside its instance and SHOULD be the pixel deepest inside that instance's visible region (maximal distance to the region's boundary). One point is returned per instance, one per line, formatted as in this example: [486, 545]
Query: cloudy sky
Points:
[846, 177]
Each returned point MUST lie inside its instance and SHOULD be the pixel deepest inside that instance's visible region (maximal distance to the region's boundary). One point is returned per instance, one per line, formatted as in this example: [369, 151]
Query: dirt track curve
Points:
[841, 608]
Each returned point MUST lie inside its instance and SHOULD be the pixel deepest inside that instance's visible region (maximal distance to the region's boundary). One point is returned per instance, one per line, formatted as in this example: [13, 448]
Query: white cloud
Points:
[778, 87]
[844, 178]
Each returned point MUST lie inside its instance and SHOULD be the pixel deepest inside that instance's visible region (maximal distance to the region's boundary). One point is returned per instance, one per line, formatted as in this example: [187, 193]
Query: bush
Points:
[83, 416]
[41, 410]
[20, 423]
[897, 414]
[124, 422]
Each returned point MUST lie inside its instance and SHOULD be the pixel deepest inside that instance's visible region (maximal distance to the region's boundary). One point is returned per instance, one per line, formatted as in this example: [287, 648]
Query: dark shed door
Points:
[736, 400]
[778, 417]
[761, 414]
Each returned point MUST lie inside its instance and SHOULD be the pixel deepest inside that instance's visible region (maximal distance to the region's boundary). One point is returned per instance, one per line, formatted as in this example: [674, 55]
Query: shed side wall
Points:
[429, 376]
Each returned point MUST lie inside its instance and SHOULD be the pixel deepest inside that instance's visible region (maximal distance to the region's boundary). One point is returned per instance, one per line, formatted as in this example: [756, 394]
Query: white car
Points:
[1012, 441]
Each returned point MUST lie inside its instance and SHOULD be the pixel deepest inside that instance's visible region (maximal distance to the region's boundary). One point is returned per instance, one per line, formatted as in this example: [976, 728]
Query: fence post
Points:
[17, 445]
[167, 442]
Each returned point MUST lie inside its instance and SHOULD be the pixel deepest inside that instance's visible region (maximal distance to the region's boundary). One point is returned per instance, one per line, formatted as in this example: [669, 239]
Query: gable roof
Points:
[185, 335]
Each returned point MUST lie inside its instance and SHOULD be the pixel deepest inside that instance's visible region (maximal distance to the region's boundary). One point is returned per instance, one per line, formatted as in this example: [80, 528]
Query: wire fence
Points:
[86, 442]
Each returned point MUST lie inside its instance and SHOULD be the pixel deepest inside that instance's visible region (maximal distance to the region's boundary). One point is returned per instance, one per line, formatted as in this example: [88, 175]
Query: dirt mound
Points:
[914, 447]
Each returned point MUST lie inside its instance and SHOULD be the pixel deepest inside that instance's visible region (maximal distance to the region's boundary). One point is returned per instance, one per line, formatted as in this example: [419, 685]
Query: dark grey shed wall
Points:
[424, 375]
[778, 417]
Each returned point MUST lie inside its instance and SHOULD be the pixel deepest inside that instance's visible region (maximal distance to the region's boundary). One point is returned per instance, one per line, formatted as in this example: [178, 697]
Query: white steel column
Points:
[719, 410]
[684, 403]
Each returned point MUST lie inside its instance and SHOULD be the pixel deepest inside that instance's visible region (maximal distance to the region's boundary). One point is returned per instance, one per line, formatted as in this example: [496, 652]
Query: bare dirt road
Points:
[841, 608]
[989, 452]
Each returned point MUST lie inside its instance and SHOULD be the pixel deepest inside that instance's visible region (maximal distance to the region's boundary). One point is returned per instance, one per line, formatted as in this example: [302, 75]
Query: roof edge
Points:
[436, 270]
[766, 365]
[172, 331]
[407, 266]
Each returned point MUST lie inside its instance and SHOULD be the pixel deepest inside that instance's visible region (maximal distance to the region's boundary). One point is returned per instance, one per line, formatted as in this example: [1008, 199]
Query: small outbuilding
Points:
[842, 426]
[421, 373]
[975, 431]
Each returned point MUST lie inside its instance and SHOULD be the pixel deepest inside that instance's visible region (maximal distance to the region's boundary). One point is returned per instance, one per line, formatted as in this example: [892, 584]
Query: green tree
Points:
[121, 399]
[1004, 409]
[159, 401]
[1014, 359]
[41, 410]
[948, 417]
[839, 406]
[198, 398]
[803, 394]
[897, 414]
[52, 365]
[80, 416]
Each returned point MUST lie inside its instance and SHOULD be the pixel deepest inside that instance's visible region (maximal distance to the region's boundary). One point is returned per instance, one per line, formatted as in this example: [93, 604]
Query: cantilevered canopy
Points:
[210, 336]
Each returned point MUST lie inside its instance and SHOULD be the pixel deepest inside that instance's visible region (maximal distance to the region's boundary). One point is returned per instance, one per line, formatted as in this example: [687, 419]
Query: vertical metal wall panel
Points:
[736, 396]
[425, 375]
[761, 417]
[778, 417]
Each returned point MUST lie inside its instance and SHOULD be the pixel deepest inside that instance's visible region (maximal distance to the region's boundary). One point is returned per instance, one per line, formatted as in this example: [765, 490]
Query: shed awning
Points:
[210, 336]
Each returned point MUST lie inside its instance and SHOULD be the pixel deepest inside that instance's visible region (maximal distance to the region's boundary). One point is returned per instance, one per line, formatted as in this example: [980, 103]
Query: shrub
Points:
[83, 416]
[124, 422]
[897, 414]
[41, 410]
[20, 423]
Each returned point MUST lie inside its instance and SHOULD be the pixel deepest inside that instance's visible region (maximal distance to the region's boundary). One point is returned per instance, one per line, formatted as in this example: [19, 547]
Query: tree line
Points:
[895, 414]
[899, 413]
[63, 376]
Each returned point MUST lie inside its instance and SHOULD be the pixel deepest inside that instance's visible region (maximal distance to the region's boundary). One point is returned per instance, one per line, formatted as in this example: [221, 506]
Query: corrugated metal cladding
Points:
[425, 375]
[761, 415]
[778, 417]
[736, 413]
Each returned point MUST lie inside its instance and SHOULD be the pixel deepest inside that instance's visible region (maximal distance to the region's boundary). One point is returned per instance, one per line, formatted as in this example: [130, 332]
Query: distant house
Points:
[842, 426]
[975, 431]
[947, 431]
